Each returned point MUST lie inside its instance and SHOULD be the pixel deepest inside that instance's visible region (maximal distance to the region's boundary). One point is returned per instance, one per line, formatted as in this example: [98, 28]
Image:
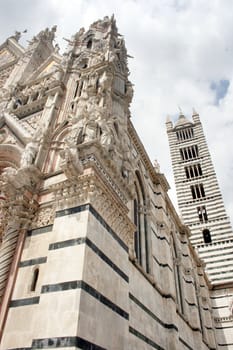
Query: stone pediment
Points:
[50, 66]
[10, 52]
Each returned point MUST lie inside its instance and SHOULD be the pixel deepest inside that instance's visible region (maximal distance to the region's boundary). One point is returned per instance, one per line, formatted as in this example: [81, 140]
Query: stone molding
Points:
[223, 319]
[91, 189]
[44, 216]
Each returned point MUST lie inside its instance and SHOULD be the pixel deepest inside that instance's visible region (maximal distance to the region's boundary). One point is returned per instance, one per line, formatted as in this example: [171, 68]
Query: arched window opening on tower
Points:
[197, 191]
[89, 44]
[188, 153]
[206, 236]
[185, 134]
[34, 279]
[140, 221]
[193, 171]
[202, 214]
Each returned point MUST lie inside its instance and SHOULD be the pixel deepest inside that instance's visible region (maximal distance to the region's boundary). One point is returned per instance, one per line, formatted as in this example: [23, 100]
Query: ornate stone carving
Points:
[90, 190]
[3, 135]
[43, 217]
[44, 35]
[17, 208]
[71, 164]
[25, 177]
[17, 35]
[29, 154]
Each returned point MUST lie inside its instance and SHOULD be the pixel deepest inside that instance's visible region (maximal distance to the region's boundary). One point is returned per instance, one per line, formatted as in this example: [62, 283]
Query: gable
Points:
[47, 68]
[10, 52]
[6, 57]
[51, 67]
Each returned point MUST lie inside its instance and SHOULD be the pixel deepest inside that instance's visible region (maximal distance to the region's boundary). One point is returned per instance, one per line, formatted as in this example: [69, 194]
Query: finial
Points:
[156, 166]
[17, 35]
[194, 111]
[168, 119]
[180, 110]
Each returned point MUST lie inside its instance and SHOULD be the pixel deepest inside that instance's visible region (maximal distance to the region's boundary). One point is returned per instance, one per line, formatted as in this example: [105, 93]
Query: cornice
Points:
[91, 189]
[157, 178]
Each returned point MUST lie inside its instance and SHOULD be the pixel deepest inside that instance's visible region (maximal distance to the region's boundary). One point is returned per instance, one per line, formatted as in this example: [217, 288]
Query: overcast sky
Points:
[183, 56]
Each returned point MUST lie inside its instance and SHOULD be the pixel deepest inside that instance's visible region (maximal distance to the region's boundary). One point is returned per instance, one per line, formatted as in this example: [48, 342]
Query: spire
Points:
[195, 112]
[169, 123]
[182, 120]
[180, 110]
[195, 116]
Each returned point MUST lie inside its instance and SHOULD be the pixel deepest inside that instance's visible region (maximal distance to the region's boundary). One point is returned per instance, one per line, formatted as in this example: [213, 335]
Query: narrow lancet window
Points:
[34, 279]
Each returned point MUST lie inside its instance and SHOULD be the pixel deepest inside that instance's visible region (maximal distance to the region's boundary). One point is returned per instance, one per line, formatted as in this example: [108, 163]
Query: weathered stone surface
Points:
[100, 259]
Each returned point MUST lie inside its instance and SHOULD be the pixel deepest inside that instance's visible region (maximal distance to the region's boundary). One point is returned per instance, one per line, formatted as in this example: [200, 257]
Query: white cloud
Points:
[180, 48]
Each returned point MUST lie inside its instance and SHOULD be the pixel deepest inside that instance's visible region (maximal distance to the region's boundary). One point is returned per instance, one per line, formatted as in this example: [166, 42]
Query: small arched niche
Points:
[207, 236]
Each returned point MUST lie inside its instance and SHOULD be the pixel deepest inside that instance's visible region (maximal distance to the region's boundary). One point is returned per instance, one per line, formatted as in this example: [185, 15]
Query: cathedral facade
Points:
[93, 254]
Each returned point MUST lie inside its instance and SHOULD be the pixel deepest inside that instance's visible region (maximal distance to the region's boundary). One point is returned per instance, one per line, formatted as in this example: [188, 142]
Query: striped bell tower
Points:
[202, 209]
[199, 197]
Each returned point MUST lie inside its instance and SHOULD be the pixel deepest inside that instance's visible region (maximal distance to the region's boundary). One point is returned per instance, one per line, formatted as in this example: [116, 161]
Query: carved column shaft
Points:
[18, 214]
[7, 251]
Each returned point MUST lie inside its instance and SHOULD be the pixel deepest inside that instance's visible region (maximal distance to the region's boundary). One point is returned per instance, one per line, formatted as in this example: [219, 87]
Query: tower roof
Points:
[182, 121]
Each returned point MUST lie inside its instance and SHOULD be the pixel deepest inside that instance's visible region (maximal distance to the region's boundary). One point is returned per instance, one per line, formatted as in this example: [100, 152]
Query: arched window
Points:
[140, 220]
[207, 236]
[177, 277]
[137, 238]
[89, 44]
[34, 279]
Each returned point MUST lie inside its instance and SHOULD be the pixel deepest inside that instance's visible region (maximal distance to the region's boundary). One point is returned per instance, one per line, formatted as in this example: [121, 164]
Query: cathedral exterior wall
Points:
[94, 255]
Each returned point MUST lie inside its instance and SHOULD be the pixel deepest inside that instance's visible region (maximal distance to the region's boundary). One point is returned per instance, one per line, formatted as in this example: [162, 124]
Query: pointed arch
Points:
[177, 274]
[141, 244]
[53, 157]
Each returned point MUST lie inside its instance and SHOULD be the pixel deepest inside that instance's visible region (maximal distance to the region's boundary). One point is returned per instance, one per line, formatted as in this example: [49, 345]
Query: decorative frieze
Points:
[90, 189]
[223, 319]
[44, 216]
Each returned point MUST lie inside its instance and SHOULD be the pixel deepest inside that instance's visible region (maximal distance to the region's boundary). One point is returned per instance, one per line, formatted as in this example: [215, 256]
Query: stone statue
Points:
[29, 154]
[104, 90]
[127, 171]
[107, 139]
[44, 35]
[90, 131]
[10, 175]
[75, 136]
[17, 35]
[56, 48]
[71, 163]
